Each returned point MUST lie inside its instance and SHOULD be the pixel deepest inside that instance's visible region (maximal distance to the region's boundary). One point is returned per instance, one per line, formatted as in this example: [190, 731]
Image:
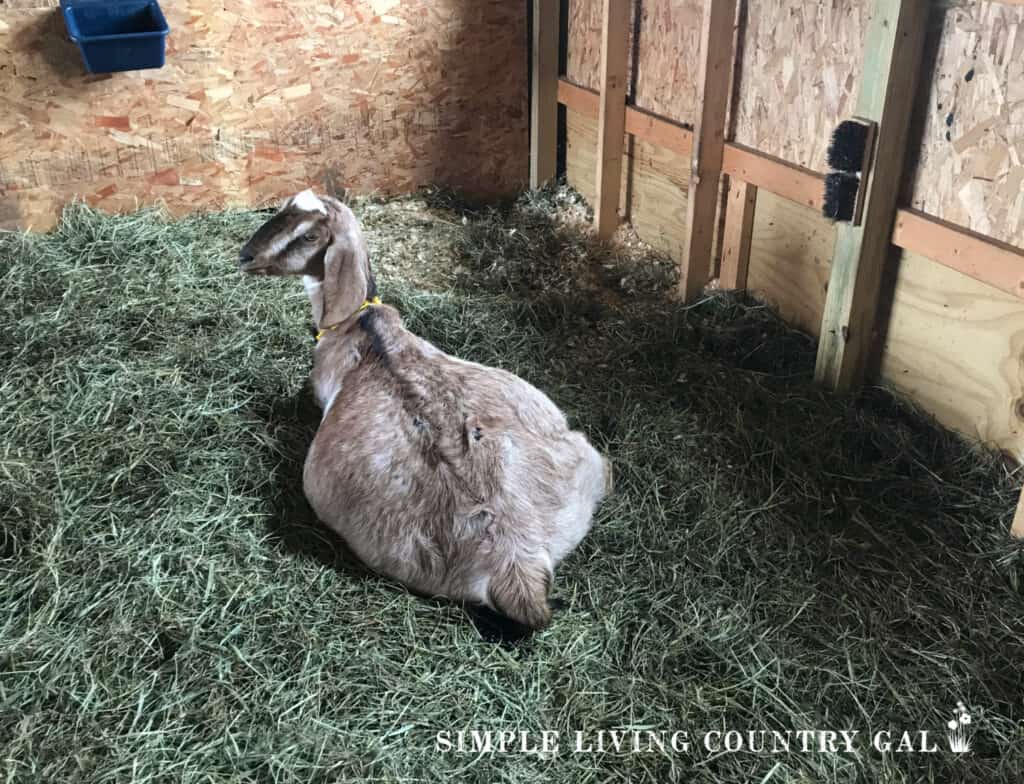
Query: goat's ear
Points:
[346, 266]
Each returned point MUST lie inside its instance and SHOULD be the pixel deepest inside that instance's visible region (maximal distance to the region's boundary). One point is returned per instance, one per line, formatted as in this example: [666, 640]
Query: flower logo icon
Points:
[959, 734]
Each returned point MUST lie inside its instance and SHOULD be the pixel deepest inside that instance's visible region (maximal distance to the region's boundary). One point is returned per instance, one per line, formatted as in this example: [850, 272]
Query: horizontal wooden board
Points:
[261, 99]
[795, 183]
[981, 258]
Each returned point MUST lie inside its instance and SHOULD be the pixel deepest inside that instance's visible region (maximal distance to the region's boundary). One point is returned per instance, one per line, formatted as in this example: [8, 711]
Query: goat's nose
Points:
[244, 257]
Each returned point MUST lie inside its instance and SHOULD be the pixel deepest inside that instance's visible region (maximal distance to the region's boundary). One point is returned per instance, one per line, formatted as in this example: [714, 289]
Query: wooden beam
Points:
[639, 123]
[611, 125]
[1017, 529]
[894, 45]
[544, 93]
[978, 257]
[656, 130]
[739, 229]
[787, 180]
[579, 99]
[982, 258]
[716, 61]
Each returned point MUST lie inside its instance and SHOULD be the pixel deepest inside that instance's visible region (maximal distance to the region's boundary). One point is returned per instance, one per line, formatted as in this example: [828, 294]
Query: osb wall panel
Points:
[800, 73]
[667, 38]
[972, 161]
[955, 346]
[259, 99]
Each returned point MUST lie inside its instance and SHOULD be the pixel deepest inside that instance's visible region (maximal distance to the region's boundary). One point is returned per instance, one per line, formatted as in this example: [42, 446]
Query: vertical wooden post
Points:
[544, 93]
[716, 59]
[739, 228]
[611, 125]
[892, 61]
[1017, 530]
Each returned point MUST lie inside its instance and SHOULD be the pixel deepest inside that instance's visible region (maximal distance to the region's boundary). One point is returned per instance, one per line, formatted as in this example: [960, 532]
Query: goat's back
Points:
[437, 471]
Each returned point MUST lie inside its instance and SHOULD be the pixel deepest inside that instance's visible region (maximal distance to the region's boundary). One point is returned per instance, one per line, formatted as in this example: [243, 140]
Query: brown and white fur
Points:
[455, 479]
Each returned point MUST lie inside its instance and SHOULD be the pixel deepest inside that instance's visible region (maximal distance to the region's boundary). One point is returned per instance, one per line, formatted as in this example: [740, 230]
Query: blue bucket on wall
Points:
[117, 35]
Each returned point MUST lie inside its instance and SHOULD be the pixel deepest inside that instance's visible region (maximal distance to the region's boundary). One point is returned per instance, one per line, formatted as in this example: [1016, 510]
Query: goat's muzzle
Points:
[245, 262]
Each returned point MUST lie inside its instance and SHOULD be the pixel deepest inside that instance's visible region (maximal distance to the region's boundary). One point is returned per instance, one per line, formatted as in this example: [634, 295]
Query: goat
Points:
[455, 479]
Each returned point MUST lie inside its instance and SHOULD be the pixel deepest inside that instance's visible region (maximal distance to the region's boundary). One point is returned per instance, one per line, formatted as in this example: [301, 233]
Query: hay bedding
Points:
[774, 558]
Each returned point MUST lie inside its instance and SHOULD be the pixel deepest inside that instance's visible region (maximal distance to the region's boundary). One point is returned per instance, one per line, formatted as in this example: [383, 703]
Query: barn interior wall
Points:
[953, 345]
[260, 99]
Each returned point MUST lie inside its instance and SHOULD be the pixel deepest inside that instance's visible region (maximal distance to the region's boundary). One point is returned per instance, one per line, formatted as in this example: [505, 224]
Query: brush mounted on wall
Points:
[850, 154]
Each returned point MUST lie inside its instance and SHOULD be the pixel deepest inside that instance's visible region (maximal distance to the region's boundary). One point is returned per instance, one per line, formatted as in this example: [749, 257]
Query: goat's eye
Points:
[310, 238]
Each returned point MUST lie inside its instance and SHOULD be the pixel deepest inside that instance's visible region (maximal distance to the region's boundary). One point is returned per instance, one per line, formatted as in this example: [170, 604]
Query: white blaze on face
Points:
[281, 241]
[309, 202]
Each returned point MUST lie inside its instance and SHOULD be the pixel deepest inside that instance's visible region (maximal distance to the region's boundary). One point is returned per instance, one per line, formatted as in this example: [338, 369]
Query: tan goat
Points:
[455, 479]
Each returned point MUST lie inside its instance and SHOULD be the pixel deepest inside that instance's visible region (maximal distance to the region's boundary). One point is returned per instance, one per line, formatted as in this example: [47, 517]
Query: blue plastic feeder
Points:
[117, 35]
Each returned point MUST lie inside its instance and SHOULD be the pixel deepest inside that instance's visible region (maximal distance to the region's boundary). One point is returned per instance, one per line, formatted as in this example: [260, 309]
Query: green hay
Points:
[773, 558]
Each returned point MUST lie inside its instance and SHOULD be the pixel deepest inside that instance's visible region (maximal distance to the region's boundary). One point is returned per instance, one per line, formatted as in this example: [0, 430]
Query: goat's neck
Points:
[334, 357]
[315, 291]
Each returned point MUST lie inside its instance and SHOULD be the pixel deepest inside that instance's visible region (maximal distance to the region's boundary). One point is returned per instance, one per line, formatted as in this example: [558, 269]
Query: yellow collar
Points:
[364, 306]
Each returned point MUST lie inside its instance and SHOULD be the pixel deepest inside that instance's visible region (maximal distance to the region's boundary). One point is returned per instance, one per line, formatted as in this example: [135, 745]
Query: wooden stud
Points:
[982, 258]
[892, 62]
[739, 229]
[544, 93]
[1017, 530]
[716, 61]
[611, 124]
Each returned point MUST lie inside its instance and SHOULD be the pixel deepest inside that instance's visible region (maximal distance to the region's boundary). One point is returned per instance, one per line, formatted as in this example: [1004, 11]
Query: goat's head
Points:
[319, 238]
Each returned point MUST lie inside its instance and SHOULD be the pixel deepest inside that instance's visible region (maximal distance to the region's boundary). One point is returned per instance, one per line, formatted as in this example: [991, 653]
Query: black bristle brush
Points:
[851, 151]
[849, 146]
[840, 196]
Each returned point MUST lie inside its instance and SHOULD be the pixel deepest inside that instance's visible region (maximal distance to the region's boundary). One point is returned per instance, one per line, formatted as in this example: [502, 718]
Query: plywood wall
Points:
[800, 72]
[260, 98]
[791, 257]
[954, 345]
[972, 159]
[799, 76]
[655, 183]
[664, 48]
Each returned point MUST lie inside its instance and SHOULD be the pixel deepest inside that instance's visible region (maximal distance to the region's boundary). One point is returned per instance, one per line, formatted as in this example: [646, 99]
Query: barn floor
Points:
[773, 559]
